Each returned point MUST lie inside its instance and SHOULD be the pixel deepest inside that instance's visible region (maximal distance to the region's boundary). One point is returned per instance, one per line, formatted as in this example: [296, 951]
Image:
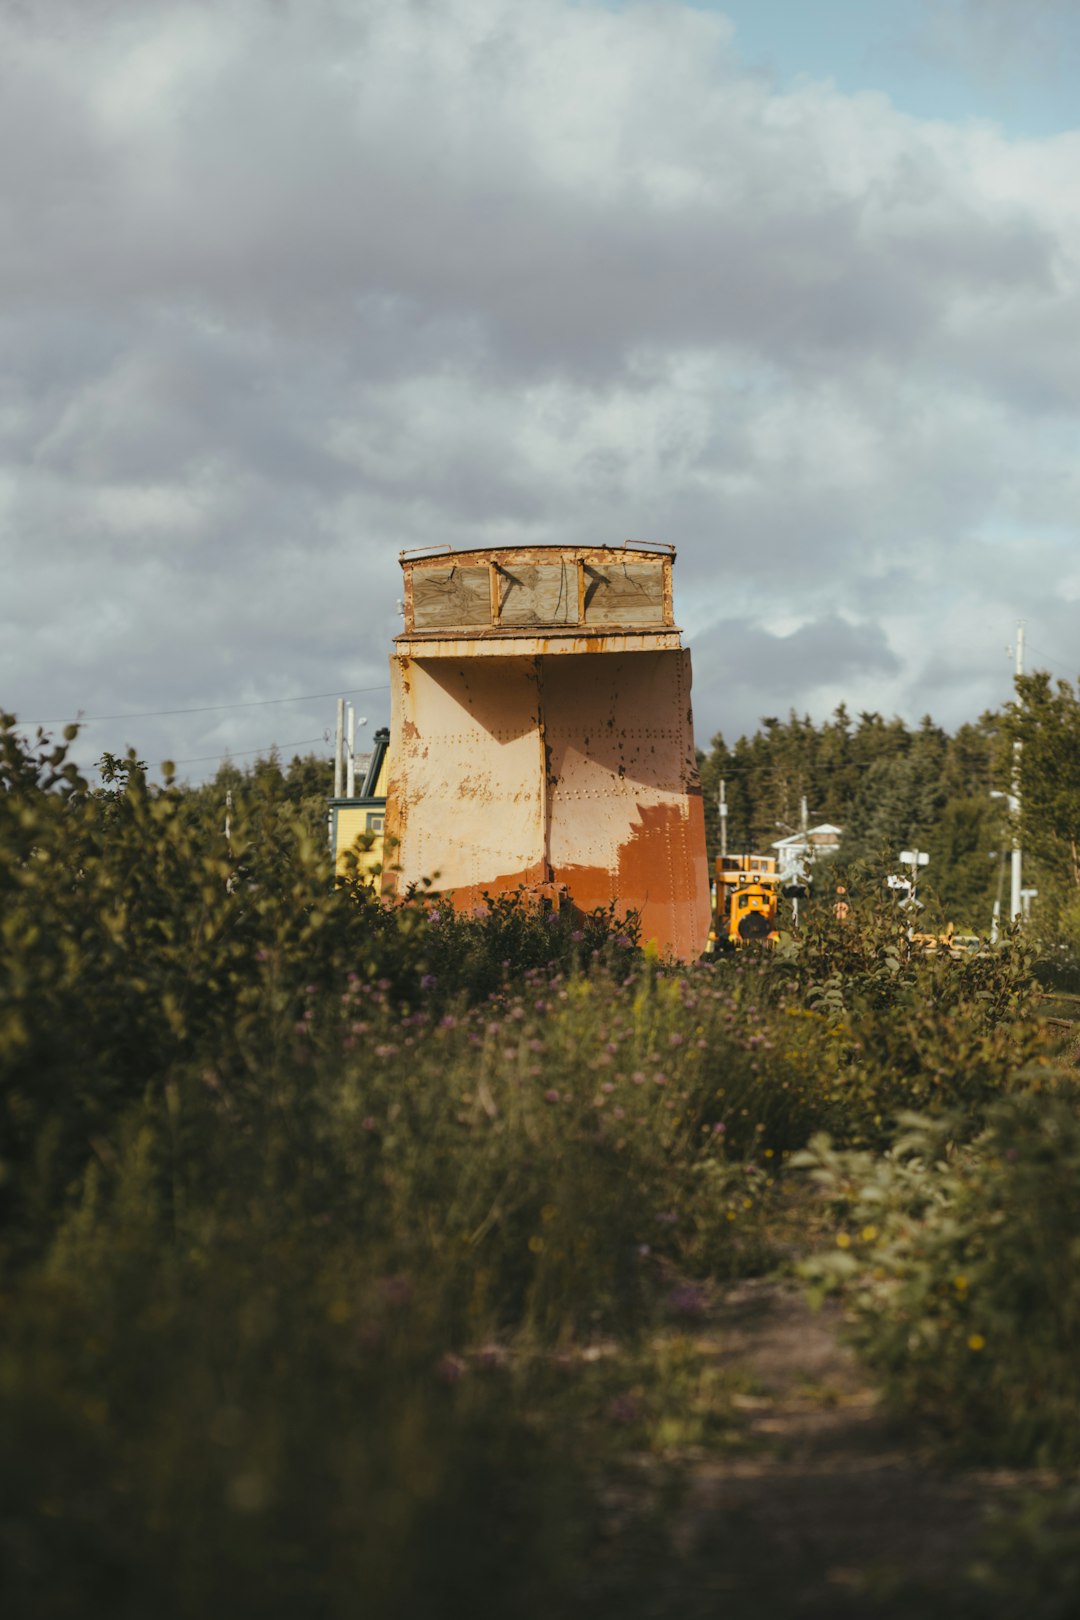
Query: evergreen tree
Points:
[887, 786]
[1045, 720]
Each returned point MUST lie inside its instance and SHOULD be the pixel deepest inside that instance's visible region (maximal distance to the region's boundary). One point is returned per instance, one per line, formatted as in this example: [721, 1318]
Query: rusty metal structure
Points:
[541, 735]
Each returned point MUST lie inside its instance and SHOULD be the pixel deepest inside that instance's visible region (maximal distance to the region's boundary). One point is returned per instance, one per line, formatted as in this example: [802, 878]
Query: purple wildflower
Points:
[624, 1409]
[687, 1300]
[397, 1290]
[449, 1370]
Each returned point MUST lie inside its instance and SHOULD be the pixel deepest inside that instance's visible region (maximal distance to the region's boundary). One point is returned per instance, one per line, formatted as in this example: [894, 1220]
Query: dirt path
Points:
[823, 1507]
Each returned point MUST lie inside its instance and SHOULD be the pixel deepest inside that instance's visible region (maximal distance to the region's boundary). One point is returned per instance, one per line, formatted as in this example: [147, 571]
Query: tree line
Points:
[887, 784]
[891, 786]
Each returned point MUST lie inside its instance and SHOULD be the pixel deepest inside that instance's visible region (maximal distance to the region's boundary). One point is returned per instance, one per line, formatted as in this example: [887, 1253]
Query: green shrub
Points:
[912, 1030]
[251, 1415]
[934, 1058]
[869, 959]
[140, 947]
[308, 1203]
[288, 1173]
[476, 954]
[959, 1266]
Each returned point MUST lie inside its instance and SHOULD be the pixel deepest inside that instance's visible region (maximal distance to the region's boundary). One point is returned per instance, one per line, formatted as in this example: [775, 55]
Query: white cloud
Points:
[289, 287]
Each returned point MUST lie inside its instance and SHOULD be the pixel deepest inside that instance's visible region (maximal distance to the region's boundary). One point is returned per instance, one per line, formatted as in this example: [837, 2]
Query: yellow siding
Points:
[353, 821]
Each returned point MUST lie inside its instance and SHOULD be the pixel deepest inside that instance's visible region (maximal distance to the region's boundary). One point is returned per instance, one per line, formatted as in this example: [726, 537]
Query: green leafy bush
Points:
[870, 957]
[140, 946]
[959, 1266]
[310, 1207]
[293, 1184]
[912, 1029]
[249, 1414]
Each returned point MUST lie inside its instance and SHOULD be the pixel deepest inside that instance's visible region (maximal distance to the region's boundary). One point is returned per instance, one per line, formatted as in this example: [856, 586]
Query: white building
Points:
[798, 852]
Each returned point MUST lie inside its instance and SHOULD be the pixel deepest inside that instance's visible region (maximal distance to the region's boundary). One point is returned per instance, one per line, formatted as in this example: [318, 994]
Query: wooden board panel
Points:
[624, 593]
[445, 597]
[538, 593]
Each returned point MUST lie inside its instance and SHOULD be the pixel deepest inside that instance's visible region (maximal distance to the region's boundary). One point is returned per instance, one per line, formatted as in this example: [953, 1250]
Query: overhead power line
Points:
[206, 708]
[244, 753]
[1058, 666]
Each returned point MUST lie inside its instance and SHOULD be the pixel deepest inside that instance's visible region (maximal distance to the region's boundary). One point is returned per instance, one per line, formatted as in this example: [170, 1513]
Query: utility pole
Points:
[722, 808]
[995, 918]
[350, 751]
[339, 749]
[1016, 903]
[231, 880]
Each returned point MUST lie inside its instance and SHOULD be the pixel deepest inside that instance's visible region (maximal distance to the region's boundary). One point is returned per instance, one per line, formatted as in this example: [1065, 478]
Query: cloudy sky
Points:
[288, 285]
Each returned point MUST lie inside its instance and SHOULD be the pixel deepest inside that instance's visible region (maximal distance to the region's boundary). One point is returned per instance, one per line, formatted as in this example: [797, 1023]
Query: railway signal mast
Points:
[914, 858]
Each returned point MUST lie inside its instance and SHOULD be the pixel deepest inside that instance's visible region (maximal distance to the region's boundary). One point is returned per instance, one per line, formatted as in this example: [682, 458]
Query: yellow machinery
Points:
[746, 900]
[950, 943]
[542, 736]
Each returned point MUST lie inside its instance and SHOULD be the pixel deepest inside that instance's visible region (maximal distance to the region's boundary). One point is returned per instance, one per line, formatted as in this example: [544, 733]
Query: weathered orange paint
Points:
[553, 758]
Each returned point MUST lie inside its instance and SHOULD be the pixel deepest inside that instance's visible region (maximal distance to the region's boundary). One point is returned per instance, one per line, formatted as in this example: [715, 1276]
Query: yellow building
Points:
[356, 825]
